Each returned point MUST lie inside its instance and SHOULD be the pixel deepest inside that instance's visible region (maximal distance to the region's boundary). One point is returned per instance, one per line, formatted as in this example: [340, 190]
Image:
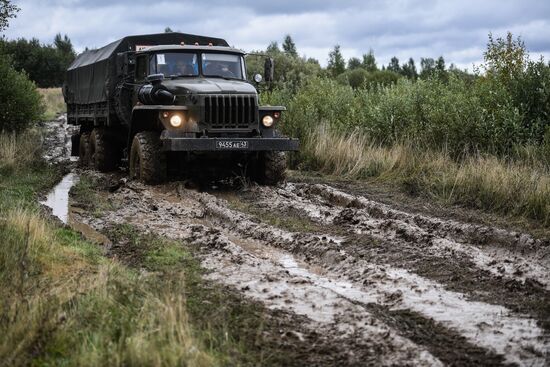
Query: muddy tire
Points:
[84, 153]
[272, 168]
[103, 151]
[147, 160]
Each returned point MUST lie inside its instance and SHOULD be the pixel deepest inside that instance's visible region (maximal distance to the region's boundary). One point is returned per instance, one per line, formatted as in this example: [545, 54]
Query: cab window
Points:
[222, 65]
[177, 64]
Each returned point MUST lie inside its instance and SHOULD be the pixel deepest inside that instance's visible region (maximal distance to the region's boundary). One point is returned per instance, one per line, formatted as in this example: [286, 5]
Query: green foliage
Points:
[289, 47]
[44, 64]
[290, 72]
[394, 65]
[455, 115]
[507, 65]
[7, 11]
[409, 70]
[361, 78]
[427, 67]
[336, 63]
[505, 59]
[354, 63]
[20, 103]
[369, 62]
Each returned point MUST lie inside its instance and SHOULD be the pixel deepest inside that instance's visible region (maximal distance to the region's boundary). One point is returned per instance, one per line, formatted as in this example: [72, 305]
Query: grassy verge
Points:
[63, 303]
[518, 188]
[53, 101]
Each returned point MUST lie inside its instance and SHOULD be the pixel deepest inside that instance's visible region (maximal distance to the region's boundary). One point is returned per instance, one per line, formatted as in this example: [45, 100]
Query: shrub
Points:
[457, 115]
[20, 102]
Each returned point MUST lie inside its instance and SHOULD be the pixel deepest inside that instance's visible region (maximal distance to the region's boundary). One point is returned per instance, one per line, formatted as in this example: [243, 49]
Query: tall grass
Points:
[53, 102]
[62, 302]
[18, 149]
[480, 181]
[459, 141]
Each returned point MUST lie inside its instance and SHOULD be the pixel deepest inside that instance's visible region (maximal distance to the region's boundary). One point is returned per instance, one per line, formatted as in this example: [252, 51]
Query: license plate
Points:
[231, 144]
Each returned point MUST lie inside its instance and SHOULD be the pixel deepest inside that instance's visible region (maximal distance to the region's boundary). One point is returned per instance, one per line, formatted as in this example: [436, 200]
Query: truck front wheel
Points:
[147, 160]
[104, 153]
[272, 168]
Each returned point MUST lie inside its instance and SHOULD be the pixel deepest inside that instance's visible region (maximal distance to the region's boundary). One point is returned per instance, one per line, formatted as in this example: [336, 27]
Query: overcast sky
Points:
[425, 28]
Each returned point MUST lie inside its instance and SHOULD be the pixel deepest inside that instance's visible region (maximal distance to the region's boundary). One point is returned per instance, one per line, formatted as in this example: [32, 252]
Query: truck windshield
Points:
[182, 64]
[222, 65]
[173, 64]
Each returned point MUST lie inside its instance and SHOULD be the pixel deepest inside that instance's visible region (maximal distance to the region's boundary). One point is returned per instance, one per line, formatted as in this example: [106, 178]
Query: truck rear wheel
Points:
[272, 168]
[104, 153]
[147, 160]
[84, 150]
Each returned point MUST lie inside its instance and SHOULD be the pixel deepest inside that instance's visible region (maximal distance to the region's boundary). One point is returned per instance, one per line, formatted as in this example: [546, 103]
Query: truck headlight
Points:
[176, 120]
[267, 121]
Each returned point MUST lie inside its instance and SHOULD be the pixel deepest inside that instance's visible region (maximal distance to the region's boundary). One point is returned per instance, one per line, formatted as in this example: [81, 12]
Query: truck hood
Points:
[182, 86]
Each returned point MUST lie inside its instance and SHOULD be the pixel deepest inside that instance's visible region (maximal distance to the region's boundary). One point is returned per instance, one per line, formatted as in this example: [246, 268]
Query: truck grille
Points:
[230, 112]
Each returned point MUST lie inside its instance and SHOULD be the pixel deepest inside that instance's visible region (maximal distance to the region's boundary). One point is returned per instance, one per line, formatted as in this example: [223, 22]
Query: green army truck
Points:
[162, 101]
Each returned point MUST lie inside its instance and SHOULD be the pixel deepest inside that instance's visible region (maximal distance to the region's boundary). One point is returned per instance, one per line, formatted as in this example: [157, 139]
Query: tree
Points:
[336, 63]
[427, 67]
[44, 64]
[409, 70]
[369, 62]
[440, 65]
[7, 12]
[64, 45]
[505, 58]
[168, 30]
[354, 63]
[20, 102]
[289, 47]
[273, 48]
[394, 65]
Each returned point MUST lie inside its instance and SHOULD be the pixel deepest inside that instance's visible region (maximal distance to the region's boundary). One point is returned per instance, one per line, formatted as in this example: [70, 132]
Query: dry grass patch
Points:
[519, 187]
[53, 101]
[17, 150]
[63, 303]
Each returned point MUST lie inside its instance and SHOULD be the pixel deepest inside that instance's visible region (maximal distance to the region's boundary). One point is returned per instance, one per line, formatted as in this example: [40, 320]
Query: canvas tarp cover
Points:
[92, 77]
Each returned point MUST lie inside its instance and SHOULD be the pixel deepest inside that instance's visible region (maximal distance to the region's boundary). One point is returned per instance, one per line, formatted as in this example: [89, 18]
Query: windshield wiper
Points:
[182, 76]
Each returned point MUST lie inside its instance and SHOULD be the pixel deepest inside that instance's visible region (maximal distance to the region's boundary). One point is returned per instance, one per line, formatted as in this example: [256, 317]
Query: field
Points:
[413, 229]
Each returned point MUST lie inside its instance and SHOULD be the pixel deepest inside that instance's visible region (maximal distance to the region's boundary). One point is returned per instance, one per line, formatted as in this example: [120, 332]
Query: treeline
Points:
[45, 64]
[291, 69]
[504, 104]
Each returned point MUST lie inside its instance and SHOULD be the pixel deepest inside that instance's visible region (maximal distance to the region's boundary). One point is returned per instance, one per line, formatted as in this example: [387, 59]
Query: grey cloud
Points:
[428, 28]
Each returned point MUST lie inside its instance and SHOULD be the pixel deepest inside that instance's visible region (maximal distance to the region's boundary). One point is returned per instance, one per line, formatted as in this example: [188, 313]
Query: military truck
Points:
[159, 102]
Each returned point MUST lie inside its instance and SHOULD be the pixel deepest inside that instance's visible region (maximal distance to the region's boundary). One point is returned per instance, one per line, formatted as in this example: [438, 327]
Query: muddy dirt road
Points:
[374, 283]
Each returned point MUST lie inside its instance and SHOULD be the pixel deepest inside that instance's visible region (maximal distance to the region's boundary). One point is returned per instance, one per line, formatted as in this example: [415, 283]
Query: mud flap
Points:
[75, 142]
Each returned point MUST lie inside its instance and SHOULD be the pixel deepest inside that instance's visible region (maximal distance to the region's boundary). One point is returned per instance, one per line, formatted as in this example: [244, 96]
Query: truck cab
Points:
[172, 102]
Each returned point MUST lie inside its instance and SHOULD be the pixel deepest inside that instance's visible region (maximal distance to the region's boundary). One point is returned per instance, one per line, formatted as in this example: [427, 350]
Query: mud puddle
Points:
[58, 198]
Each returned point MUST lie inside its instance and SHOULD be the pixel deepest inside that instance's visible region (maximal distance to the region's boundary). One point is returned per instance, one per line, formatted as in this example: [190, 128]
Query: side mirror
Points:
[155, 78]
[268, 69]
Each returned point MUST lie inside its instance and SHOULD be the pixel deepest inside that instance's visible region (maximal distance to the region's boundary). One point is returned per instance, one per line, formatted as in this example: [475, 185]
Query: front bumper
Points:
[173, 144]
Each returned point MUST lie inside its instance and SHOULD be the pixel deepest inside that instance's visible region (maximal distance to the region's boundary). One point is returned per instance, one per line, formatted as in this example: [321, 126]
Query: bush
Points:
[20, 102]
[361, 78]
[457, 116]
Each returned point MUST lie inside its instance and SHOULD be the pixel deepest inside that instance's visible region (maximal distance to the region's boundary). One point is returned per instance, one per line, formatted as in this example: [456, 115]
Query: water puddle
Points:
[58, 198]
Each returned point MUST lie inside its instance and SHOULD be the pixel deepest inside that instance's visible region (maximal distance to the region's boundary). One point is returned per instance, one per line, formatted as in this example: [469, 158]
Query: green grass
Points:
[64, 303]
[53, 101]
